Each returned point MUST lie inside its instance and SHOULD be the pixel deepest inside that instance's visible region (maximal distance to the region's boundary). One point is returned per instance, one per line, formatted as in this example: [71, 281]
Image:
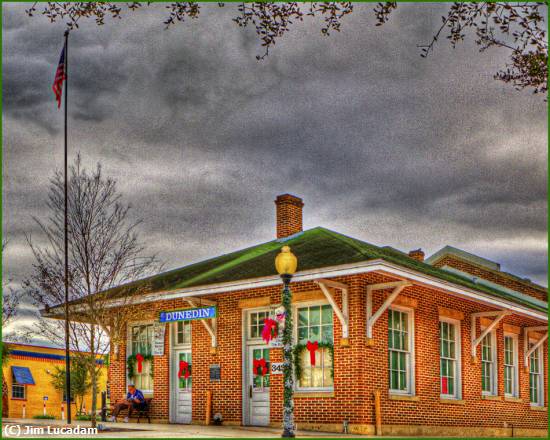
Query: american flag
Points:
[59, 78]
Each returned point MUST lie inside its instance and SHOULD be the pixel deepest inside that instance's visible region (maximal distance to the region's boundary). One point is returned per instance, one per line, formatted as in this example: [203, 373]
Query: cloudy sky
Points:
[382, 144]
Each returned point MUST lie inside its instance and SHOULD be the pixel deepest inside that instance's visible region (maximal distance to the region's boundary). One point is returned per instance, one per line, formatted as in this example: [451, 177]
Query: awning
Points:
[22, 375]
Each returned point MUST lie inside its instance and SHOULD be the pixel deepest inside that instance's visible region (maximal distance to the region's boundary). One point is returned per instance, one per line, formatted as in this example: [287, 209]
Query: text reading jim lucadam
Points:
[18, 430]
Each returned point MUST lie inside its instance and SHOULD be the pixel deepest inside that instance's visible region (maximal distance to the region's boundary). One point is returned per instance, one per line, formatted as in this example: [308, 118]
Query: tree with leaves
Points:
[80, 380]
[518, 27]
[104, 252]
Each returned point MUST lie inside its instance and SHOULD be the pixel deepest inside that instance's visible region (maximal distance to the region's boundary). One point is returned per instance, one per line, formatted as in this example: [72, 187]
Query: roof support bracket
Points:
[342, 314]
[398, 287]
[529, 351]
[499, 316]
[212, 326]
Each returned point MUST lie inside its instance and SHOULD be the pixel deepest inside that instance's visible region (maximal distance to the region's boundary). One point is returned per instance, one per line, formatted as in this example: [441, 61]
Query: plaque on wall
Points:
[277, 367]
[215, 372]
[159, 332]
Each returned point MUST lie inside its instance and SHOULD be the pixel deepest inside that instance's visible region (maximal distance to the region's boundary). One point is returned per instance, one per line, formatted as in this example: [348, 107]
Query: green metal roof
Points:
[315, 248]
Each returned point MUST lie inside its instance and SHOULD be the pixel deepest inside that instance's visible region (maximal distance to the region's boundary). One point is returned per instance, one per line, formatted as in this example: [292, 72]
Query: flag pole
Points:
[66, 238]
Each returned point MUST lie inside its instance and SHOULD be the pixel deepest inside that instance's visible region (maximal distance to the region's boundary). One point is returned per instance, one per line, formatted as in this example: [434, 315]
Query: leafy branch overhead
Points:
[517, 27]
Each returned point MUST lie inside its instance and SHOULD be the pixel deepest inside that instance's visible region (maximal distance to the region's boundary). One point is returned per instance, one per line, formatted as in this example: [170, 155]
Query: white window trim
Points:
[410, 391]
[129, 349]
[458, 361]
[494, 371]
[515, 356]
[541, 396]
[174, 336]
[247, 329]
[295, 308]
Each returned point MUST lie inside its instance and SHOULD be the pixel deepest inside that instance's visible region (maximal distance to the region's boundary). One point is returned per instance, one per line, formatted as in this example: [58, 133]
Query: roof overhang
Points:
[379, 265]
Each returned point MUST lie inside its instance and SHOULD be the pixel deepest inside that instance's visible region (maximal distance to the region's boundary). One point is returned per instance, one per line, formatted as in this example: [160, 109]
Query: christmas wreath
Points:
[138, 359]
[312, 347]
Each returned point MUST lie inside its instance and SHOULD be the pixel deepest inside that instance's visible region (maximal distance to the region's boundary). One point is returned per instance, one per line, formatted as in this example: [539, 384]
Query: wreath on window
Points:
[133, 360]
[312, 347]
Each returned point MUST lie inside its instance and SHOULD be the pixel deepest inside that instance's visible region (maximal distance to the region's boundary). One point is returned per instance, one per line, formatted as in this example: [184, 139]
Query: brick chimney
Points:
[417, 254]
[289, 215]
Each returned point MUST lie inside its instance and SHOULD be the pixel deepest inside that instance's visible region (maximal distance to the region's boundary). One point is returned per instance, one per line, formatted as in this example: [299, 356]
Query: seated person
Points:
[134, 401]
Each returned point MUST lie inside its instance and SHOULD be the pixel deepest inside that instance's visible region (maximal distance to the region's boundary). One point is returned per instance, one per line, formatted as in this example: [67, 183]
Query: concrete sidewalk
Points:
[39, 428]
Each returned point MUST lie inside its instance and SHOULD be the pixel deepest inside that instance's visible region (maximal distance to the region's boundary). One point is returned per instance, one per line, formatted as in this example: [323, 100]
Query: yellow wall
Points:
[43, 386]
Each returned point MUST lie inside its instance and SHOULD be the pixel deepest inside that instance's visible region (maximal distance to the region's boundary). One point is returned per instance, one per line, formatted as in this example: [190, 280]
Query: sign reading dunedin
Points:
[189, 314]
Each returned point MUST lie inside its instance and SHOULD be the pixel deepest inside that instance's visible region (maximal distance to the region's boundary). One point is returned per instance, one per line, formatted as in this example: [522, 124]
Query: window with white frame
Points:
[17, 390]
[256, 323]
[510, 365]
[314, 323]
[182, 333]
[141, 342]
[449, 336]
[489, 365]
[536, 392]
[401, 350]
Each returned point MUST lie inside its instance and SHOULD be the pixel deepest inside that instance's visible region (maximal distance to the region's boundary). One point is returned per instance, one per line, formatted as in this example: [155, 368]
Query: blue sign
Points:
[189, 314]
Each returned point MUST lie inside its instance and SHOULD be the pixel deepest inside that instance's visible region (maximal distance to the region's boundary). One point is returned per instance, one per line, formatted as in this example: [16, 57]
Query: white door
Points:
[258, 385]
[182, 391]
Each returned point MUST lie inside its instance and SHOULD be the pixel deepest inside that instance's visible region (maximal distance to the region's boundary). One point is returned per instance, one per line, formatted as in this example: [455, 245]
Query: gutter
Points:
[378, 265]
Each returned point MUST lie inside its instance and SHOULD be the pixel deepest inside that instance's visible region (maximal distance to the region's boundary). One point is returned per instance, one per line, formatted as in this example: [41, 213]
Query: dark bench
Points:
[139, 413]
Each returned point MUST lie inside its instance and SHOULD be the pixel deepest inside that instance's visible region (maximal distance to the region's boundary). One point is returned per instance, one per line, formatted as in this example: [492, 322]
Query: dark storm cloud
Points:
[382, 144]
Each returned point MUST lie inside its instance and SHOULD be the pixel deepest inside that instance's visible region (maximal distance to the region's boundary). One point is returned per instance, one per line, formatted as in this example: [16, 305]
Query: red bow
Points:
[139, 359]
[184, 369]
[444, 385]
[312, 347]
[269, 331]
[257, 364]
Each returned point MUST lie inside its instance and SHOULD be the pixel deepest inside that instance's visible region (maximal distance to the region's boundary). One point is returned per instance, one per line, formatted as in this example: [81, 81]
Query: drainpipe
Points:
[208, 407]
[377, 412]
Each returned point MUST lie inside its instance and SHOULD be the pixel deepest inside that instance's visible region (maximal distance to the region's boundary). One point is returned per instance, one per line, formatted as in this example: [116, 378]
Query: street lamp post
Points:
[286, 264]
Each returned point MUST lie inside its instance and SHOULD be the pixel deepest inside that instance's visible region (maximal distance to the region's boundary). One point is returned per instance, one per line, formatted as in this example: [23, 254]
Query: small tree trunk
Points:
[93, 374]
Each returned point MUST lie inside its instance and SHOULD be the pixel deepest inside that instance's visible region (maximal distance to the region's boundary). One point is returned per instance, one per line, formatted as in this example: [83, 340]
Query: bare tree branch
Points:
[104, 252]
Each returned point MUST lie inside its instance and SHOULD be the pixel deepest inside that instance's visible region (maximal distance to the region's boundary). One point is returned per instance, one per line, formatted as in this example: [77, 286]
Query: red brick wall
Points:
[359, 370]
[488, 275]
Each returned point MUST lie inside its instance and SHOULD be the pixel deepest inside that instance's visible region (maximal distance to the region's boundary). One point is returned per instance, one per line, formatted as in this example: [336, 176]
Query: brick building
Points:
[449, 345]
[26, 382]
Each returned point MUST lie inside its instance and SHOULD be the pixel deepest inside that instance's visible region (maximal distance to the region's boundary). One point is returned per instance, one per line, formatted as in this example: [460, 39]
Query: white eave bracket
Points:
[397, 287]
[342, 314]
[529, 351]
[212, 326]
[497, 314]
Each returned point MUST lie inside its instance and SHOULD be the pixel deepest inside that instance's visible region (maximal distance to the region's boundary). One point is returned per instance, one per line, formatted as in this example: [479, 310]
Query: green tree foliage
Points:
[80, 379]
[518, 27]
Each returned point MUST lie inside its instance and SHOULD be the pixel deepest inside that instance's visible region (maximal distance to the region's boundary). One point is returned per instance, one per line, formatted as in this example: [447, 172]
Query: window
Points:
[256, 324]
[261, 380]
[142, 342]
[449, 334]
[183, 333]
[400, 345]
[17, 391]
[536, 393]
[488, 365]
[315, 324]
[183, 383]
[510, 365]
